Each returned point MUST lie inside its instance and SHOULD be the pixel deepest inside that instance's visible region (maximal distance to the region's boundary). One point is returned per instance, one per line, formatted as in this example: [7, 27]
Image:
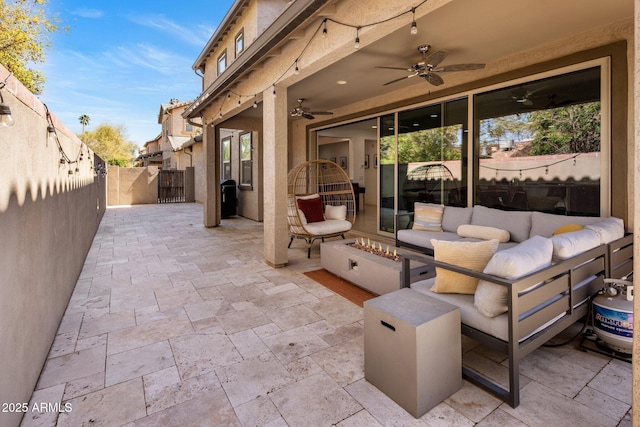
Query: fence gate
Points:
[170, 186]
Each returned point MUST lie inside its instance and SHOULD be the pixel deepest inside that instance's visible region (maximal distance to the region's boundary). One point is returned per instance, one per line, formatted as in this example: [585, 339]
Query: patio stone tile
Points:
[293, 317]
[473, 402]
[63, 344]
[495, 371]
[43, 418]
[561, 375]
[177, 297]
[284, 300]
[381, 407]
[500, 418]
[609, 406]
[233, 293]
[442, 415]
[107, 323]
[84, 385]
[337, 311]
[294, 344]
[149, 333]
[211, 409]
[248, 344]
[71, 367]
[240, 320]
[344, 362]
[343, 333]
[258, 412]
[138, 362]
[252, 378]
[207, 280]
[206, 309]
[116, 405]
[613, 381]
[541, 406]
[303, 368]
[152, 281]
[267, 330]
[314, 401]
[359, 419]
[91, 342]
[199, 354]
[163, 389]
[280, 288]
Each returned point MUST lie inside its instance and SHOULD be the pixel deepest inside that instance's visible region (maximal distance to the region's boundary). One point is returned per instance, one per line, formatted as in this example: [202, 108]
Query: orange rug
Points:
[340, 286]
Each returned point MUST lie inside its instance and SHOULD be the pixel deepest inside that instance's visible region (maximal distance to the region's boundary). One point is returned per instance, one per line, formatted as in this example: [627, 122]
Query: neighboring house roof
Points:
[165, 108]
[177, 141]
[156, 139]
[195, 140]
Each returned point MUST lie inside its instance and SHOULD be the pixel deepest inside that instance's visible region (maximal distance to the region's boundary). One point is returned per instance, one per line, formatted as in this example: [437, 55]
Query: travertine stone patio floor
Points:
[173, 324]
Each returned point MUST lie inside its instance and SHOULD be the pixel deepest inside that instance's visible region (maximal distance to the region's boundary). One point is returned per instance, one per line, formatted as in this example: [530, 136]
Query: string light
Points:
[297, 70]
[324, 29]
[414, 26]
[255, 102]
[357, 43]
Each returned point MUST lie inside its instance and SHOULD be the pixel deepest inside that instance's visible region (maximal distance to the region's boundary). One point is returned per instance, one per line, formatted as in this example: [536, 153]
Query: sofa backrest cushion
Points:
[453, 217]
[545, 224]
[484, 233]
[427, 216]
[517, 223]
[528, 257]
[470, 255]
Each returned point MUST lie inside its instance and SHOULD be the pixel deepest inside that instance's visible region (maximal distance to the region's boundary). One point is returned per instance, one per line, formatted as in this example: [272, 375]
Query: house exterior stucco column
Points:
[276, 230]
[211, 176]
[635, 386]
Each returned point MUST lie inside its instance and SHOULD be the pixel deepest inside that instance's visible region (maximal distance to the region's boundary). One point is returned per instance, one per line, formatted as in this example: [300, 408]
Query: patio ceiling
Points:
[473, 31]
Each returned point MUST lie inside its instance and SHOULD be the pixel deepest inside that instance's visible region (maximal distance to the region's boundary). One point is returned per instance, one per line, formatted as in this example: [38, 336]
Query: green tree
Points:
[109, 141]
[570, 129]
[25, 27]
[84, 121]
[429, 145]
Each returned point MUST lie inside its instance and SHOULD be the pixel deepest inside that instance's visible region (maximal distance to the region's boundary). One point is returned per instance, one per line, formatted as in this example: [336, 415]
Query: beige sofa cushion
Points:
[484, 233]
[518, 224]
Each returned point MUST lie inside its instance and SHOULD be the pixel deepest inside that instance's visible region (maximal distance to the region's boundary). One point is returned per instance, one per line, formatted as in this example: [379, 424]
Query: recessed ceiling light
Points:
[342, 82]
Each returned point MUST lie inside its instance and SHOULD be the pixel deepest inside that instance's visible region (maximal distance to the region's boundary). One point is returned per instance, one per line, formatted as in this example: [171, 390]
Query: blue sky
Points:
[121, 60]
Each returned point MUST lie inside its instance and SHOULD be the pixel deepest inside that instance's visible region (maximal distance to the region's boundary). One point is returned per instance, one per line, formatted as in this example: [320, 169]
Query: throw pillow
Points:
[312, 209]
[471, 255]
[427, 217]
[335, 212]
[484, 232]
[529, 256]
[609, 229]
[567, 245]
[568, 229]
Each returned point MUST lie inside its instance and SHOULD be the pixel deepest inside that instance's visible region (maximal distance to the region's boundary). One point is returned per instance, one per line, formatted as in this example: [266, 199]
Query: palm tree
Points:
[84, 121]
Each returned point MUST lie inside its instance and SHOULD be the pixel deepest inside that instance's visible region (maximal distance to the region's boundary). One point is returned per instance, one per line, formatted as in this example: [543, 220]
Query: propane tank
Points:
[613, 315]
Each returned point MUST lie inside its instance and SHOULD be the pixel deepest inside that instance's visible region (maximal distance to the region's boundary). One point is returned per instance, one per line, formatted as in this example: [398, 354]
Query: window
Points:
[239, 42]
[246, 162]
[188, 127]
[538, 145]
[226, 158]
[222, 62]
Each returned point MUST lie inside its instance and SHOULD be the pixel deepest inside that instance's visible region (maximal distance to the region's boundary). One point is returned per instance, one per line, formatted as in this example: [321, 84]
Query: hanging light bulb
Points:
[414, 26]
[324, 30]
[297, 70]
[51, 134]
[357, 43]
[255, 103]
[6, 119]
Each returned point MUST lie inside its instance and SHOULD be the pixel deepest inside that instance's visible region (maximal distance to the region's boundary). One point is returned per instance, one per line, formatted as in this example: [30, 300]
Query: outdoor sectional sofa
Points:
[534, 286]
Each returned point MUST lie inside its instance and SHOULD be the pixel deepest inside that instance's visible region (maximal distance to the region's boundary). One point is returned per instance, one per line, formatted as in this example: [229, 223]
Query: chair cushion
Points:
[470, 255]
[335, 212]
[427, 217]
[529, 256]
[330, 226]
[484, 233]
[312, 209]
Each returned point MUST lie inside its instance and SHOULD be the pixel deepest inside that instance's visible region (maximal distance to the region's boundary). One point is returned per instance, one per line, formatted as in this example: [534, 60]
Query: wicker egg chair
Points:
[327, 181]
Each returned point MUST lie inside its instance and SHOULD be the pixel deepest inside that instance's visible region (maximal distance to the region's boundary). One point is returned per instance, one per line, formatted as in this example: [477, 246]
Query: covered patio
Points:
[172, 323]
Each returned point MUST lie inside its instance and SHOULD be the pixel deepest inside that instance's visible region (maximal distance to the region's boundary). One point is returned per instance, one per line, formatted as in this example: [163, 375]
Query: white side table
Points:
[412, 349]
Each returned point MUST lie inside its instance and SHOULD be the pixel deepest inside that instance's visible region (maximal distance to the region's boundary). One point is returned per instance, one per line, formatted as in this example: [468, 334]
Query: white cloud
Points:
[163, 24]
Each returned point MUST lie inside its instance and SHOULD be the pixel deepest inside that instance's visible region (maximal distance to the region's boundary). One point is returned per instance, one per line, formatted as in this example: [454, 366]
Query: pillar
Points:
[211, 177]
[275, 140]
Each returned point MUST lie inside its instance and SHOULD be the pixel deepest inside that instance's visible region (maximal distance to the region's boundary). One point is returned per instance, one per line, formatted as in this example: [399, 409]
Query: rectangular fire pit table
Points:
[372, 272]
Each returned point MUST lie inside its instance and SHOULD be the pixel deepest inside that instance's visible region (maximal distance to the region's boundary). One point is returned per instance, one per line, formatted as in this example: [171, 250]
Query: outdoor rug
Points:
[340, 286]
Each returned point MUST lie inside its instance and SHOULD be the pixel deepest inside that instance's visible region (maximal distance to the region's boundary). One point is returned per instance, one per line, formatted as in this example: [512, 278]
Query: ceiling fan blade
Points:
[396, 68]
[458, 67]
[308, 116]
[434, 79]
[397, 80]
[321, 113]
[436, 57]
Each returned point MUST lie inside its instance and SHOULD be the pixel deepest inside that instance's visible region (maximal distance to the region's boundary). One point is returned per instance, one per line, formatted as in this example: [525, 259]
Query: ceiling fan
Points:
[301, 111]
[428, 68]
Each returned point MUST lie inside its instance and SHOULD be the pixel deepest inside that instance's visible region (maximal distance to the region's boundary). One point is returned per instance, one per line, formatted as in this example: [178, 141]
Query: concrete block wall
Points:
[132, 186]
[48, 220]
